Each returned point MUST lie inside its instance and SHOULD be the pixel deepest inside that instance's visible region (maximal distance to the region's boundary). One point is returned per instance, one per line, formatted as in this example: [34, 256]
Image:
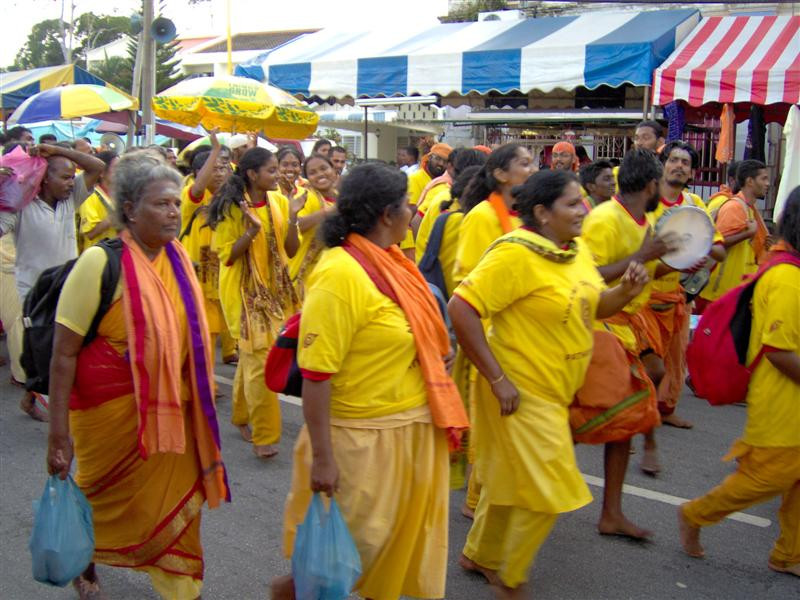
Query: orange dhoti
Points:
[666, 320]
[617, 399]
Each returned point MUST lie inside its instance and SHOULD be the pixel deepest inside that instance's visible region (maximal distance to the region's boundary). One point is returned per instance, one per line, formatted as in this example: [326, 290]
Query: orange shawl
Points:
[430, 333]
[501, 210]
[154, 346]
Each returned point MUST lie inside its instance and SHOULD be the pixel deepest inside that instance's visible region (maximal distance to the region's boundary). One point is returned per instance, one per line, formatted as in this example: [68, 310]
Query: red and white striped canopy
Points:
[734, 59]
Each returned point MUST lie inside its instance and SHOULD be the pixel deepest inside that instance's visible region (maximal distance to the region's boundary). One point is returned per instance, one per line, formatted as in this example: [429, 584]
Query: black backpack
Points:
[429, 265]
[39, 314]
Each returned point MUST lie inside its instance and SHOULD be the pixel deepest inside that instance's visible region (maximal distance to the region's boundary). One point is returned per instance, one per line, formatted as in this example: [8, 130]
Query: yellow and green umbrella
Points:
[236, 104]
[71, 101]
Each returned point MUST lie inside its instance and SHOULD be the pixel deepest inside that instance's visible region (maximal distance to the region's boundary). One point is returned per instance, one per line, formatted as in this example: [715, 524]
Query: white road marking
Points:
[675, 500]
[590, 479]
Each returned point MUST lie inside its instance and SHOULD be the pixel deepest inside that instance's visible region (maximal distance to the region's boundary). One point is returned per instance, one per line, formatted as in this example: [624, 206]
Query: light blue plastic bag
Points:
[325, 562]
[62, 540]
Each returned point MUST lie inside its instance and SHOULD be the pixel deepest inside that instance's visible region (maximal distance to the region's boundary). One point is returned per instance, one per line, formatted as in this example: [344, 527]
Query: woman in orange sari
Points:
[135, 406]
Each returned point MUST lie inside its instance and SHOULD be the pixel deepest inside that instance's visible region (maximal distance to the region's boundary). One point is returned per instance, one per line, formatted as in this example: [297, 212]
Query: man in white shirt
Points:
[408, 159]
[44, 231]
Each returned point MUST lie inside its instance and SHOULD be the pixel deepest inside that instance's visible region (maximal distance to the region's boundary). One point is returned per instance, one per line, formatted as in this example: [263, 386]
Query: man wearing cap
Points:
[433, 165]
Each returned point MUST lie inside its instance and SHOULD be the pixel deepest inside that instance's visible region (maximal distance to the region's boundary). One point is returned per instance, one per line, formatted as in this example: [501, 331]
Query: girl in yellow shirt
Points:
[488, 214]
[255, 233]
[96, 212]
[290, 165]
[378, 404]
[542, 292]
[320, 201]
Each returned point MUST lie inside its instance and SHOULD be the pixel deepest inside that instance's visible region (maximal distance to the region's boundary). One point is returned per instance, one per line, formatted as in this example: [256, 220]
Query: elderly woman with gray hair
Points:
[131, 394]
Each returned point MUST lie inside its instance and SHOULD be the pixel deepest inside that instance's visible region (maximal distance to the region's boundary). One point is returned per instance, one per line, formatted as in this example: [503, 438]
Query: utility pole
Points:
[148, 71]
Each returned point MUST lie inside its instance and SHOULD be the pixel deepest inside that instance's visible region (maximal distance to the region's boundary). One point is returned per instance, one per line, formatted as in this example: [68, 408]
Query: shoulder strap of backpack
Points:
[108, 284]
[188, 227]
[431, 254]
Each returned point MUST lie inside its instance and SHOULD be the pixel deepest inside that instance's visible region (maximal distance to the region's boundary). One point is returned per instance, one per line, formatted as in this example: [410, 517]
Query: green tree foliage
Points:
[167, 66]
[468, 11]
[43, 46]
[116, 70]
[42, 49]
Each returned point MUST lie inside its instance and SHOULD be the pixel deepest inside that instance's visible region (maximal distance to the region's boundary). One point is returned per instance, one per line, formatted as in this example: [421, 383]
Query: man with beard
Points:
[666, 315]
[433, 165]
[597, 179]
[564, 157]
[618, 399]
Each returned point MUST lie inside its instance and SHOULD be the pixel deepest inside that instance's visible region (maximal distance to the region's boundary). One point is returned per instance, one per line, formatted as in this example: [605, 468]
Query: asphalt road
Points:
[243, 540]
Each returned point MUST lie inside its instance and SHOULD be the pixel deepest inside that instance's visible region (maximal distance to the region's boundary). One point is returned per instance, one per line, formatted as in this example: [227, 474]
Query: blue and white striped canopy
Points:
[593, 49]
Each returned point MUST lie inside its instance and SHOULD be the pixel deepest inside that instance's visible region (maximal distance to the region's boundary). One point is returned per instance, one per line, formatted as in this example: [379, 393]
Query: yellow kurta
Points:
[449, 245]
[416, 183]
[92, 212]
[773, 400]
[228, 231]
[479, 228]
[527, 459]
[441, 191]
[434, 209]
[393, 463]
[164, 492]
[314, 203]
[612, 234]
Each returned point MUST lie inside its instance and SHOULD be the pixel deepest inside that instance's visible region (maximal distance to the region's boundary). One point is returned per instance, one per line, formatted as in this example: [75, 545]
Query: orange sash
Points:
[501, 210]
[430, 333]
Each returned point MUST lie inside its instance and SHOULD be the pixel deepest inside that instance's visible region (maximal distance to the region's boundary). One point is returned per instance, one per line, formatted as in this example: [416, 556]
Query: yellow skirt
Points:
[526, 459]
[393, 494]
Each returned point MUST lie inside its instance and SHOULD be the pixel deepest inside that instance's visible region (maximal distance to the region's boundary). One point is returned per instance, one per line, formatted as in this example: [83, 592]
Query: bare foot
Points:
[650, 463]
[674, 420]
[88, 590]
[467, 512]
[470, 565]
[282, 588]
[265, 451]
[503, 592]
[790, 569]
[29, 406]
[690, 536]
[244, 431]
[622, 527]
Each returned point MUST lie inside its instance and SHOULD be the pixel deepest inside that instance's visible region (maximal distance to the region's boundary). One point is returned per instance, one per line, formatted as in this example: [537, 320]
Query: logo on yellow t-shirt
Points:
[775, 326]
[309, 339]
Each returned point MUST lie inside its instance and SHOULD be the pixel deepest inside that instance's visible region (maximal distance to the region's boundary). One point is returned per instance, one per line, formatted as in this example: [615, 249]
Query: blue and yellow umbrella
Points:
[236, 104]
[71, 101]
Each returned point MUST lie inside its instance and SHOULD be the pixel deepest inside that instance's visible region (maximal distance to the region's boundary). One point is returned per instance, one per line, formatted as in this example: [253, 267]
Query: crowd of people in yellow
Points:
[561, 326]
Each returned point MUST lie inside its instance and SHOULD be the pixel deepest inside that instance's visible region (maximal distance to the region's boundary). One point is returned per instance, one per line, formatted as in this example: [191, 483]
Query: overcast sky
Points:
[209, 18]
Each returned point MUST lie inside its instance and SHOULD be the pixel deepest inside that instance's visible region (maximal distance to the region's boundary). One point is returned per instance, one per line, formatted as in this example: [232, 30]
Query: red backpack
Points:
[717, 354]
[281, 372]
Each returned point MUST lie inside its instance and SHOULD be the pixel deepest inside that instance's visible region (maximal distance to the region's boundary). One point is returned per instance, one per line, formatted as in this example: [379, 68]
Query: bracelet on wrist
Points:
[498, 380]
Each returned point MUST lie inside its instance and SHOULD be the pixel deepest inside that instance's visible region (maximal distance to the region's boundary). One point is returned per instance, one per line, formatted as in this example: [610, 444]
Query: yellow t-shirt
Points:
[715, 202]
[449, 245]
[773, 400]
[440, 190]
[672, 280]
[433, 207]
[362, 338]
[542, 313]
[92, 212]
[416, 183]
[612, 234]
[408, 241]
[198, 236]
[314, 203]
[228, 231]
[479, 228]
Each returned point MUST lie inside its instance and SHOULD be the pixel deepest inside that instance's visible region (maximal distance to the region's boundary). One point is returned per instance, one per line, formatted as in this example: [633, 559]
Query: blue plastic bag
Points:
[325, 562]
[62, 540]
